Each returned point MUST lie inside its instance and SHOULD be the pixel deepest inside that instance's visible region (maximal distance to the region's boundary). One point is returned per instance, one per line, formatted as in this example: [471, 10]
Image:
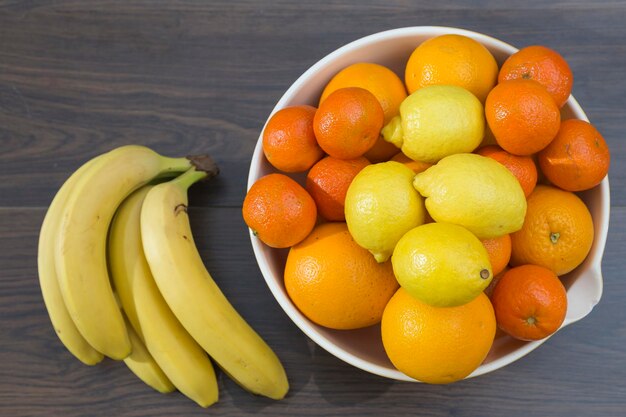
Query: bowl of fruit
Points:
[430, 203]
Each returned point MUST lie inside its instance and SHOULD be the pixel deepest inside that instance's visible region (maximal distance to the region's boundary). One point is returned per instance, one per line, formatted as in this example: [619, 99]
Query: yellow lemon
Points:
[381, 206]
[437, 121]
[441, 264]
[475, 192]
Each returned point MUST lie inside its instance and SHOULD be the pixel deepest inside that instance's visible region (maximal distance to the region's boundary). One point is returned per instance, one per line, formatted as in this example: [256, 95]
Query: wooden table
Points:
[79, 78]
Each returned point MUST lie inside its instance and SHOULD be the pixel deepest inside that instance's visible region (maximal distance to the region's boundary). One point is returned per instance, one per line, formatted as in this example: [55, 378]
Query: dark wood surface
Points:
[78, 78]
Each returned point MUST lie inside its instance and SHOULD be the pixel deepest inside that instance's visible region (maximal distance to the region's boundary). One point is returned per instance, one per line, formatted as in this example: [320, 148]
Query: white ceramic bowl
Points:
[363, 348]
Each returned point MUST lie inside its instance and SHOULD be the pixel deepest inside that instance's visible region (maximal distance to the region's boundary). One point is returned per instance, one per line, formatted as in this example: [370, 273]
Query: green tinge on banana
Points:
[59, 316]
[195, 298]
[80, 250]
[143, 365]
[177, 353]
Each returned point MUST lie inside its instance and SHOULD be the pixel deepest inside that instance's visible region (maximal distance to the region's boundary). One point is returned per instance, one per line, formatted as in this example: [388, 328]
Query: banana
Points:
[59, 316]
[177, 353]
[80, 250]
[195, 298]
[142, 364]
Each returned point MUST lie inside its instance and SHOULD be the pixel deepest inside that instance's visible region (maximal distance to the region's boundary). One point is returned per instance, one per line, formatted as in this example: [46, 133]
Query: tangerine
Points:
[289, 142]
[279, 211]
[543, 65]
[522, 116]
[530, 302]
[577, 159]
[328, 182]
[499, 251]
[386, 86]
[348, 123]
[523, 167]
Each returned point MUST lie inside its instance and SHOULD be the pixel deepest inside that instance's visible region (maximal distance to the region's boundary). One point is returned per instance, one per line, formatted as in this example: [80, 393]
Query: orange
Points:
[499, 251]
[289, 142]
[386, 87]
[530, 302]
[328, 183]
[416, 166]
[557, 231]
[452, 60]
[279, 211]
[523, 167]
[437, 345]
[381, 151]
[522, 116]
[348, 123]
[335, 282]
[577, 159]
[543, 65]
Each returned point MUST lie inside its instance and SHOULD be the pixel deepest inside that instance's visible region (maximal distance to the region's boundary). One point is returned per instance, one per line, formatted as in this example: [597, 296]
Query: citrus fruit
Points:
[523, 167]
[475, 192]
[386, 87]
[381, 206]
[289, 142]
[496, 278]
[557, 232]
[543, 65]
[577, 159]
[328, 183]
[530, 302]
[416, 166]
[279, 211]
[437, 345]
[336, 283]
[435, 122]
[499, 251]
[377, 79]
[441, 264]
[522, 116]
[347, 124]
[452, 60]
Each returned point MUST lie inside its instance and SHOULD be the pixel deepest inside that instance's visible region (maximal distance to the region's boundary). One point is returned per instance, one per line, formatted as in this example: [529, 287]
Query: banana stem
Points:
[174, 165]
[190, 177]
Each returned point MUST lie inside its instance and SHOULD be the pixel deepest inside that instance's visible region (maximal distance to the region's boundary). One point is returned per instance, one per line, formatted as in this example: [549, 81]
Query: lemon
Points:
[381, 206]
[441, 264]
[437, 121]
[475, 192]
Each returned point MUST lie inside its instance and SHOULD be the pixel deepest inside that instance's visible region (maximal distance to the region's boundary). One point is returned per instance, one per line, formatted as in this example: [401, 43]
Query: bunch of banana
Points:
[109, 227]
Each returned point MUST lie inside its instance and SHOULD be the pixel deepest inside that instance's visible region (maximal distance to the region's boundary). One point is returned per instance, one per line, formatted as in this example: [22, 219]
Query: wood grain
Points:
[577, 372]
[79, 78]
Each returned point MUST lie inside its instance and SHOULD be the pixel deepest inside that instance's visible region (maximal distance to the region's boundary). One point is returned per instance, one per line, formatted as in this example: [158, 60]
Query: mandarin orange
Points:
[289, 142]
[577, 159]
[530, 302]
[543, 65]
[279, 211]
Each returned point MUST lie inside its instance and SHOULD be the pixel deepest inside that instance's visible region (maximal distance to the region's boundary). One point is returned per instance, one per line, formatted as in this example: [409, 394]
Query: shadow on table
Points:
[342, 384]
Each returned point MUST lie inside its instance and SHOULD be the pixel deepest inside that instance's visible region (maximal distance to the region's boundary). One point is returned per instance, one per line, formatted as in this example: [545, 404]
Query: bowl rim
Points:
[286, 304]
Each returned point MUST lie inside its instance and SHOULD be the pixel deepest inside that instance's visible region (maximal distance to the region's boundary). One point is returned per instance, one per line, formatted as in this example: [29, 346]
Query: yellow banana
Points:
[59, 316]
[80, 250]
[142, 364]
[177, 353]
[194, 297]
